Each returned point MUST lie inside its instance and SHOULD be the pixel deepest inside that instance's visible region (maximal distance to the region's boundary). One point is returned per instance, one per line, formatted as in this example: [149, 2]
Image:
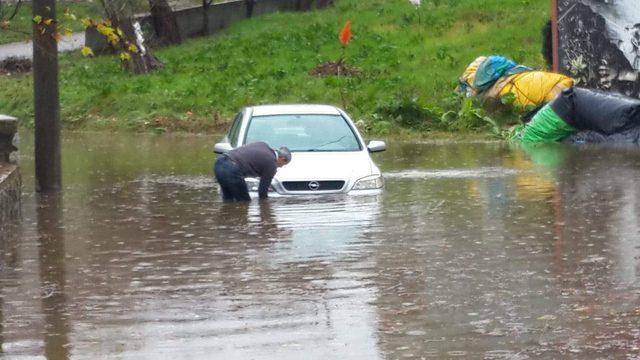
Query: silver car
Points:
[328, 153]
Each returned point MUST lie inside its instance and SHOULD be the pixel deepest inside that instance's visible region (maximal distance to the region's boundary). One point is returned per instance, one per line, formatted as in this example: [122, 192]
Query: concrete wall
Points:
[10, 182]
[220, 16]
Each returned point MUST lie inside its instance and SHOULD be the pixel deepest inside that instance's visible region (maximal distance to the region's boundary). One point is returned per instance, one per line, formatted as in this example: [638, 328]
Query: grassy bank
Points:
[409, 62]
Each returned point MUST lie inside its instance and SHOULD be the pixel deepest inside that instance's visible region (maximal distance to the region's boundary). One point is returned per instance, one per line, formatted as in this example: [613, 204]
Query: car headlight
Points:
[253, 184]
[369, 182]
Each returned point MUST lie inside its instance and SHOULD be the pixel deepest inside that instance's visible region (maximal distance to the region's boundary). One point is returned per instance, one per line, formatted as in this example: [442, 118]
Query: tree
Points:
[164, 22]
[126, 36]
[46, 98]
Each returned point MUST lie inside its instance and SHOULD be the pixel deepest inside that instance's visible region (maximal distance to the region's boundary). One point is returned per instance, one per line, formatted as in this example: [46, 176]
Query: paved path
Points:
[25, 49]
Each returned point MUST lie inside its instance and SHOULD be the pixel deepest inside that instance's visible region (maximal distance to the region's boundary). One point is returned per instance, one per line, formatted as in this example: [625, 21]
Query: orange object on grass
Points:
[345, 33]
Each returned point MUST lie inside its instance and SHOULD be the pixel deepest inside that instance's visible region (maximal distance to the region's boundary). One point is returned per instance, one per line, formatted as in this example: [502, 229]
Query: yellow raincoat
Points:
[530, 88]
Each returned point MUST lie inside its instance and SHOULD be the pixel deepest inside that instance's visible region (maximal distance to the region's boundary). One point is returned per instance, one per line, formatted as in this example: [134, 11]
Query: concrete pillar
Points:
[10, 181]
[8, 139]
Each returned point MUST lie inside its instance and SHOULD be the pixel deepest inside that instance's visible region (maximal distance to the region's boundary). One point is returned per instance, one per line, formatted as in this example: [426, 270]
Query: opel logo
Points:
[314, 185]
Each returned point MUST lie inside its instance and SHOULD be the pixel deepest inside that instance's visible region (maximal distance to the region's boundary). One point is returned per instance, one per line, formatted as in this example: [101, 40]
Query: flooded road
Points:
[477, 250]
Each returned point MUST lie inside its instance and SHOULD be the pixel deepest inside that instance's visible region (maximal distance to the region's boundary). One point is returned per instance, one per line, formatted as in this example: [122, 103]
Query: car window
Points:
[235, 129]
[303, 132]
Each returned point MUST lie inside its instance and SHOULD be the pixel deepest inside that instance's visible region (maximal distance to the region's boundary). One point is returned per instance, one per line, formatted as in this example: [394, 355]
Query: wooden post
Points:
[46, 100]
[554, 36]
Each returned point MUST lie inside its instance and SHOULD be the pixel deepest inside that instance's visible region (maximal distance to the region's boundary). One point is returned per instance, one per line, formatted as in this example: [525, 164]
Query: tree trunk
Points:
[164, 22]
[121, 17]
[142, 62]
[46, 100]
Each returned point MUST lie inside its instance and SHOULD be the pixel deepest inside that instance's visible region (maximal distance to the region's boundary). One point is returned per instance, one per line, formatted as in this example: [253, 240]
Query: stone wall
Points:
[10, 182]
[220, 16]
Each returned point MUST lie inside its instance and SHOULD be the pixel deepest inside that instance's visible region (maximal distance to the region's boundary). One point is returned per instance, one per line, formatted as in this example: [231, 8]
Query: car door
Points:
[234, 132]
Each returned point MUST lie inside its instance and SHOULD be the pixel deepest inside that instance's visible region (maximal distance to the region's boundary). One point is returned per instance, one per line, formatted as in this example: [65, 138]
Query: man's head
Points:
[284, 156]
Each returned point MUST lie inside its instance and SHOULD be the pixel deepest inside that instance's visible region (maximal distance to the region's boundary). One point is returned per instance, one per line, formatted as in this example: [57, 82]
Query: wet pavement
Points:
[24, 49]
[474, 250]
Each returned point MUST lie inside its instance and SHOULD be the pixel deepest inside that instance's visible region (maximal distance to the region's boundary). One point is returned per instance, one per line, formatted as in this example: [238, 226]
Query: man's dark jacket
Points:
[256, 160]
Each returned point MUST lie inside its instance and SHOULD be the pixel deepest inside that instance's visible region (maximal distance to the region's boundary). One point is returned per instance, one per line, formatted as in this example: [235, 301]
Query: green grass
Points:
[20, 26]
[409, 66]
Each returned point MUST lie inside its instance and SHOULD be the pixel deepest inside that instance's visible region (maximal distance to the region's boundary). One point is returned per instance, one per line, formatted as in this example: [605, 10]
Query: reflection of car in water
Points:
[329, 155]
[320, 228]
[308, 280]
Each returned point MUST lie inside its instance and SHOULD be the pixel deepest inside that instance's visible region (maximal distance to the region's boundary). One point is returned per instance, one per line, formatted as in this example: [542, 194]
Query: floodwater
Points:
[474, 250]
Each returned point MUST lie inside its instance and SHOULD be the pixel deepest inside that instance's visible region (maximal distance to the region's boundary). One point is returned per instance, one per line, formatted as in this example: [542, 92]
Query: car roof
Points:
[264, 110]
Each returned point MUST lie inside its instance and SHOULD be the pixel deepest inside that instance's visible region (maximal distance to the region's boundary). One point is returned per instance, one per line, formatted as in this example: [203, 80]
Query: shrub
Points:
[407, 112]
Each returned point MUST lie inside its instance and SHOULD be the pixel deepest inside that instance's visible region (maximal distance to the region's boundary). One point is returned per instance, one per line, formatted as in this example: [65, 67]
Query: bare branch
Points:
[15, 10]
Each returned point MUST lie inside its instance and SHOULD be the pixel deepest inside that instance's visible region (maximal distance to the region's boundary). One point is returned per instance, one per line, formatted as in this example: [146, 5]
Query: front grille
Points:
[313, 185]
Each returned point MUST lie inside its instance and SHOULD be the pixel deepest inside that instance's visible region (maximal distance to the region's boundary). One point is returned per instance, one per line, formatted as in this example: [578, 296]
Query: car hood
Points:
[326, 166]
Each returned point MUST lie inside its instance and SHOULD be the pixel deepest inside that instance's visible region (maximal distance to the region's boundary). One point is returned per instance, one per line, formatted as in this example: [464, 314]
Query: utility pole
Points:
[46, 101]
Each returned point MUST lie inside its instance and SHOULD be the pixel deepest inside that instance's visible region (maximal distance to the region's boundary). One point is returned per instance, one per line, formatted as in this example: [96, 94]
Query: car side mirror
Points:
[376, 146]
[222, 148]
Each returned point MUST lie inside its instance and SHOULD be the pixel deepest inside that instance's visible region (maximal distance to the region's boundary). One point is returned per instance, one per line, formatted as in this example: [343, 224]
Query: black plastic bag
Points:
[602, 112]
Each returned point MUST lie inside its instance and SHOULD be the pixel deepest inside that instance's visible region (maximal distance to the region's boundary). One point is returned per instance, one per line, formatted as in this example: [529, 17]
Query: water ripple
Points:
[486, 172]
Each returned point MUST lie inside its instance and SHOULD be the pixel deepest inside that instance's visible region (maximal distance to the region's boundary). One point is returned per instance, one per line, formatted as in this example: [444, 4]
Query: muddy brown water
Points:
[474, 250]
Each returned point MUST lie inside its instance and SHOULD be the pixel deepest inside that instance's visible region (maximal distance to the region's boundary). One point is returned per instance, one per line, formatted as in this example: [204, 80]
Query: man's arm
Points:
[268, 172]
[265, 182]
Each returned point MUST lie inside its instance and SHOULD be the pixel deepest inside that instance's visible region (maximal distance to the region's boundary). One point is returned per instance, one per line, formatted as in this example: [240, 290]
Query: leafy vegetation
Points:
[19, 29]
[409, 65]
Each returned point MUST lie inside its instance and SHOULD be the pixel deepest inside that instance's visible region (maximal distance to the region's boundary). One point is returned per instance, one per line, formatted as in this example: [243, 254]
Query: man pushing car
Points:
[251, 160]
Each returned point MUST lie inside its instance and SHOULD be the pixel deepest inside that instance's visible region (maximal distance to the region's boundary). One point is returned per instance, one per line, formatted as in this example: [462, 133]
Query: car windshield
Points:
[303, 132]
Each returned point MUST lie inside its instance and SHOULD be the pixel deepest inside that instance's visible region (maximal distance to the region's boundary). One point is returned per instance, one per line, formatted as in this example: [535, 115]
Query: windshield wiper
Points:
[317, 148]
